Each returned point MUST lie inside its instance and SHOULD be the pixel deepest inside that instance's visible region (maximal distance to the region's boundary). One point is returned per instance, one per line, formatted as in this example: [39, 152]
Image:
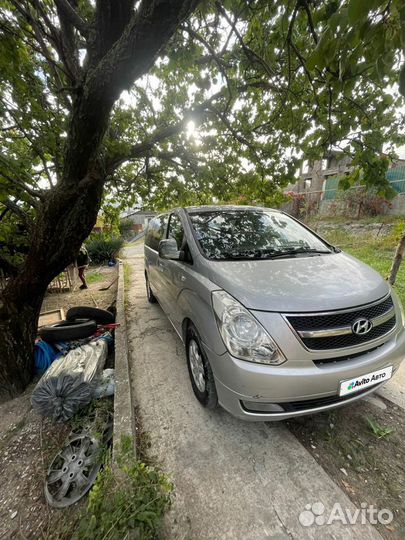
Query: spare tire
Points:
[68, 330]
[101, 316]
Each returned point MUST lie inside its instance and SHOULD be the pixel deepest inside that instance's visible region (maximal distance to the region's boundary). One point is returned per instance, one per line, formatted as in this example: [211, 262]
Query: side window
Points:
[176, 230]
[148, 234]
[156, 231]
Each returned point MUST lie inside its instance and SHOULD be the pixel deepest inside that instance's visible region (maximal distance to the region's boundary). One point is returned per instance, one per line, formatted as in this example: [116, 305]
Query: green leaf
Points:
[402, 81]
[319, 57]
[338, 19]
[316, 59]
[358, 10]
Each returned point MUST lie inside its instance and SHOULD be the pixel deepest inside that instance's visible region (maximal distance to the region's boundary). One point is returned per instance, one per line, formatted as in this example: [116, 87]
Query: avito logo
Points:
[365, 380]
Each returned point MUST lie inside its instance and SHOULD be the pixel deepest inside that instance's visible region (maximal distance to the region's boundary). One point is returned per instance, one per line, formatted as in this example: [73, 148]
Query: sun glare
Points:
[190, 129]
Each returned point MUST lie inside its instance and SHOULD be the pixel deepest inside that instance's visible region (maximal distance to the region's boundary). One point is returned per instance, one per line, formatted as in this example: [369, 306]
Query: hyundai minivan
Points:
[276, 322]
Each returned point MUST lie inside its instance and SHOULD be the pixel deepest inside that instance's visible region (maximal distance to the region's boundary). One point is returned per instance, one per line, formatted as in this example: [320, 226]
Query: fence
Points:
[64, 282]
[355, 202]
[395, 176]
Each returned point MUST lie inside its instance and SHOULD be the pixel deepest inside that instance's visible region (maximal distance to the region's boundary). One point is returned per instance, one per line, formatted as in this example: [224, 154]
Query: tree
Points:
[101, 97]
[399, 255]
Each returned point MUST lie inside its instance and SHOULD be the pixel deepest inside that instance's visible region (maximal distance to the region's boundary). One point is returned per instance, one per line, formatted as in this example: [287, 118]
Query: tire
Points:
[101, 316]
[68, 330]
[203, 383]
[151, 297]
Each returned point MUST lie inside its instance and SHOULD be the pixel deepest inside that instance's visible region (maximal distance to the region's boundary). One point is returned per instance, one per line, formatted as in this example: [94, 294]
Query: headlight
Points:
[243, 335]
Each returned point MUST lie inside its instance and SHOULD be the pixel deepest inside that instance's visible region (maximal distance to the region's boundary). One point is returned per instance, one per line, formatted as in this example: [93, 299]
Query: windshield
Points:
[251, 234]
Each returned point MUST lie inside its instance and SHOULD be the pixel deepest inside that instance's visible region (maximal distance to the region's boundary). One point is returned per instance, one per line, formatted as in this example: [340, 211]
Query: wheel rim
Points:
[147, 288]
[73, 471]
[196, 364]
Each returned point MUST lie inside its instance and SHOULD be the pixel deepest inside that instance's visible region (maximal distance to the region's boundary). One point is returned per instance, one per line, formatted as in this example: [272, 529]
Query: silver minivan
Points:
[276, 322]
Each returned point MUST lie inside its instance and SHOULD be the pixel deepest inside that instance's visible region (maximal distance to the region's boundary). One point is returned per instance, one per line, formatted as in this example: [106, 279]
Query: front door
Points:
[173, 274]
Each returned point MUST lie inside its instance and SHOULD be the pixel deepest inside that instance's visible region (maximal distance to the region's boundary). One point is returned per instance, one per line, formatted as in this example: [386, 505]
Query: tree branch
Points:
[71, 15]
[216, 58]
[111, 18]
[131, 56]
[68, 38]
[37, 34]
[250, 54]
[7, 267]
[30, 191]
[141, 149]
[13, 207]
[4, 213]
[148, 31]
[55, 36]
[310, 20]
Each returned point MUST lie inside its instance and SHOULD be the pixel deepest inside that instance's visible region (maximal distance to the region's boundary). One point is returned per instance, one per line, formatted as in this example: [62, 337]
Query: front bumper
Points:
[244, 387]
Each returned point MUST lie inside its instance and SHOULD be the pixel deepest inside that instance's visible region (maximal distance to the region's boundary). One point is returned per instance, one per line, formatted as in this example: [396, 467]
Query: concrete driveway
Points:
[232, 479]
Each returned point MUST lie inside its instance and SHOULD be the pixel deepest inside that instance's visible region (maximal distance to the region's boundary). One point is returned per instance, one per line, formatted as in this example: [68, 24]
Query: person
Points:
[82, 261]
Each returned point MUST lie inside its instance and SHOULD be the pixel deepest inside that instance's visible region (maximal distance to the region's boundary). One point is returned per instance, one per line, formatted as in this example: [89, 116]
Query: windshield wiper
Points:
[268, 253]
[299, 251]
[249, 255]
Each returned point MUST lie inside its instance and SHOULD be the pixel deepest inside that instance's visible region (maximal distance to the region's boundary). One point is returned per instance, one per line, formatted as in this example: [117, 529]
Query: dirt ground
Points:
[98, 277]
[368, 464]
[29, 443]
[27, 446]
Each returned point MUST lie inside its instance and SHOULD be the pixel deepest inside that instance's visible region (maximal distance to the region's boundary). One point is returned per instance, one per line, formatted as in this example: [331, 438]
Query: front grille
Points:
[321, 402]
[348, 340]
[336, 322]
[314, 321]
[343, 358]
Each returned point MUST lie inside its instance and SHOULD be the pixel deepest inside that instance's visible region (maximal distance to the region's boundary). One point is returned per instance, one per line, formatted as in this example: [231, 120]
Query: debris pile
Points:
[71, 355]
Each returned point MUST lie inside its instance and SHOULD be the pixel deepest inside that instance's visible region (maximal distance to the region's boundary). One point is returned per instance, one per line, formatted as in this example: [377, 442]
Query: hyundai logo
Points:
[361, 326]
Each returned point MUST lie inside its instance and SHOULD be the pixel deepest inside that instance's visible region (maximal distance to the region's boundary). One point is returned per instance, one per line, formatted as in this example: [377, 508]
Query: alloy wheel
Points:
[196, 364]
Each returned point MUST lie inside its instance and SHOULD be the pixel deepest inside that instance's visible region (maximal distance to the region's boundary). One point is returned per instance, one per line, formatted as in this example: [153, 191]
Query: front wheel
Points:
[201, 376]
[151, 297]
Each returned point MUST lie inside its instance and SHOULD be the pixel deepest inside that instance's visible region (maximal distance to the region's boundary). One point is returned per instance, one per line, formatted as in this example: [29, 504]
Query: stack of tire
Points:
[81, 322]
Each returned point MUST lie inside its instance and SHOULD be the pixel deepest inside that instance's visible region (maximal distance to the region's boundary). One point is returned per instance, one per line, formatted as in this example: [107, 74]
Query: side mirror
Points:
[168, 249]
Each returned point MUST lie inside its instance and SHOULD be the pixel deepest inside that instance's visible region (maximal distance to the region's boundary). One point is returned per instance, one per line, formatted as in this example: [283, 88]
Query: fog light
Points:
[254, 406]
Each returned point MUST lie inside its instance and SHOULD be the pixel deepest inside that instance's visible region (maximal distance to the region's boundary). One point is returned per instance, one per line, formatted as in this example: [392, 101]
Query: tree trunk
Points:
[399, 255]
[69, 212]
[18, 332]
[65, 220]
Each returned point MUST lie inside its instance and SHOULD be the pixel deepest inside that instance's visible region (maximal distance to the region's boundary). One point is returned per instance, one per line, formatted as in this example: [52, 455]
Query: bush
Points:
[127, 501]
[126, 227]
[302, 204]
[361, 202]
[103, 249]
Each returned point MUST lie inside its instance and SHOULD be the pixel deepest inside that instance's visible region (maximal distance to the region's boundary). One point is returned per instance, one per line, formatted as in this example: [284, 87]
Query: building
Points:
[140, 218]
[319, 181]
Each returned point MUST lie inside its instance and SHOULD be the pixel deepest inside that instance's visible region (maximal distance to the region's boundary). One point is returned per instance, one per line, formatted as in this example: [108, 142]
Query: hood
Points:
[300, 284]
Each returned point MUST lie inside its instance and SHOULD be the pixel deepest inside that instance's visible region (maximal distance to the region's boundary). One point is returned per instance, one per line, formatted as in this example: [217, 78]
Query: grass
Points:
[360, 446]
[127, 275]
[128, 500]
[127, 281]
[344, 219]
[376, 251]
[377, 430]
[94, 277]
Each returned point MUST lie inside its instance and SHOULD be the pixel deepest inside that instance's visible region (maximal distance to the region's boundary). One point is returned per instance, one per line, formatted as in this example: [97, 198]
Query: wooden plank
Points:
[51, 317]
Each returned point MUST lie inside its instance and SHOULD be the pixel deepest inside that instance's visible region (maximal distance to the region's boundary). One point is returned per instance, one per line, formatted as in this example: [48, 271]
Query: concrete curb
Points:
[124, 422]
